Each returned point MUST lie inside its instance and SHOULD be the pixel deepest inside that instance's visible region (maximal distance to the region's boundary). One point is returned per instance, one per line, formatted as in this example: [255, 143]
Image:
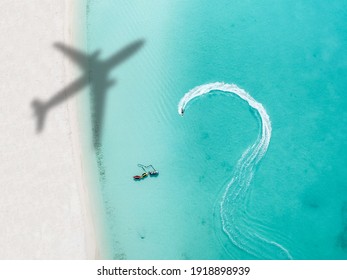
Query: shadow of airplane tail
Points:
[40, 111]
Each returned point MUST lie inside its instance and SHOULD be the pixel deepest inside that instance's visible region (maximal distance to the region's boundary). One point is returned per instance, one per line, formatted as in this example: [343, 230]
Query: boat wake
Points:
[235, 222]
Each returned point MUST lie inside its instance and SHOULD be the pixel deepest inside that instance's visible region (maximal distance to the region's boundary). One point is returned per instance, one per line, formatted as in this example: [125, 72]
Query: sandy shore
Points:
[44, 204]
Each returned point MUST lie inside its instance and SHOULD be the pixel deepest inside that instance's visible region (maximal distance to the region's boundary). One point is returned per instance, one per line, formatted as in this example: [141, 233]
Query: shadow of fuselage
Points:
[95, 74]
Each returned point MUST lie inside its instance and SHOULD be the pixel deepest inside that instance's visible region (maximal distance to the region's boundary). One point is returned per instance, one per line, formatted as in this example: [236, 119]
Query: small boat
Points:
[137, 177]
[152, 173]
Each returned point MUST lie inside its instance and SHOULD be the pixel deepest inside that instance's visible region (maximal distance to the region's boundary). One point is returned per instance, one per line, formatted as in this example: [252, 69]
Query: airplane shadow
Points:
[95, 75]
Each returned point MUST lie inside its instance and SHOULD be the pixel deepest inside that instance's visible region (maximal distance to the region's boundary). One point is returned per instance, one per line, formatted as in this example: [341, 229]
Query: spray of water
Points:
[234, 218]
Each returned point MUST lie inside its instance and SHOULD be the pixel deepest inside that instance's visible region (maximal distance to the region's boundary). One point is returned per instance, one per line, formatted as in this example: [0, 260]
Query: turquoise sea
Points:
[291, 57]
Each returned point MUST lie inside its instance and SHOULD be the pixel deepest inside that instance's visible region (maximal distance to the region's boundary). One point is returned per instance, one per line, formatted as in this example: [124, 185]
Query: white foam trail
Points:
[231, 207]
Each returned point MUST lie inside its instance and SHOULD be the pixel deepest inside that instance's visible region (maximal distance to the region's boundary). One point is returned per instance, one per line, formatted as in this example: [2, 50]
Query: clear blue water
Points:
[292, 58]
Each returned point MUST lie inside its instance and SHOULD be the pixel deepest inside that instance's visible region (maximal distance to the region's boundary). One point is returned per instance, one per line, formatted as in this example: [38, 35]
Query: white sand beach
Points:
[45, 209]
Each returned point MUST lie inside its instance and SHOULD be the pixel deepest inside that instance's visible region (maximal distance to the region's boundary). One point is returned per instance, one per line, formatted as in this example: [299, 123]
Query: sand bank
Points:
[44, 203]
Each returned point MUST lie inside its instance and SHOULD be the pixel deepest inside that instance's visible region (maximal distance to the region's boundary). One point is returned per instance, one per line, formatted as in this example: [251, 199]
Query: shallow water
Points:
[290, 57]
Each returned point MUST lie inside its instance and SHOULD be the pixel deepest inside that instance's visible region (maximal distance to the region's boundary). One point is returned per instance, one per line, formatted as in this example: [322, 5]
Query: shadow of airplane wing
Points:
[123, 54]
[77, 56]
[41, 108]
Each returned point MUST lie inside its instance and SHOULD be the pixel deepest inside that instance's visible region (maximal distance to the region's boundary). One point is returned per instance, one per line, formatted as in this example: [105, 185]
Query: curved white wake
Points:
[232, 204]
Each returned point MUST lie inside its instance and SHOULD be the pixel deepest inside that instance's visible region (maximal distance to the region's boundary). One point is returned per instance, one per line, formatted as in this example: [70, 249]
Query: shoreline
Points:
[71, 38]
[89, 173]
[75, 33]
